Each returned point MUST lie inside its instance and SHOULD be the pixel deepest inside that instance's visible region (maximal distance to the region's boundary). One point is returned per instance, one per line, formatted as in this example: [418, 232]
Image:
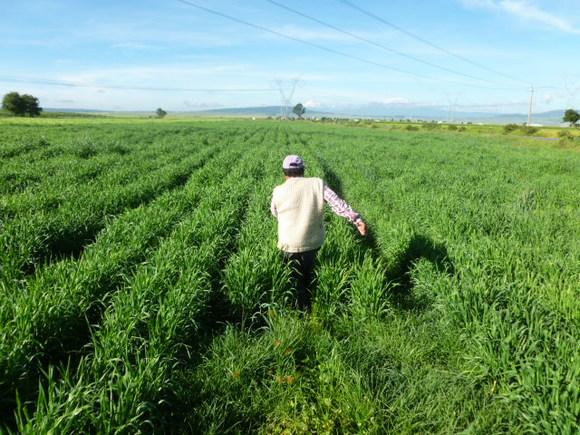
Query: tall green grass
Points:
[147, 327]
[458, 313]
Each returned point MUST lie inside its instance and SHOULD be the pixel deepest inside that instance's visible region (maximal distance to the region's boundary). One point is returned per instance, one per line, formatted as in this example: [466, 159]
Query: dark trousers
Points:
[302, 267]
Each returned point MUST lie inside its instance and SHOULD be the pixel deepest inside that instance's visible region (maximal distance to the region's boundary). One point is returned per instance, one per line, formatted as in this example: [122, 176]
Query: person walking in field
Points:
[298, 204]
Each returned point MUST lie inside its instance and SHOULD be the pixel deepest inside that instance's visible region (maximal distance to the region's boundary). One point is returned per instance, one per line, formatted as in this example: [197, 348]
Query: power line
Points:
[429, 43]
[322, 47]
[133, 88]
[302, 41]
[376, 44]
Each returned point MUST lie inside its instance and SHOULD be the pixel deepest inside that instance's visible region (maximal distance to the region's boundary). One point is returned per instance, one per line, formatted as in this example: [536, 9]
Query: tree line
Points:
[26, 104]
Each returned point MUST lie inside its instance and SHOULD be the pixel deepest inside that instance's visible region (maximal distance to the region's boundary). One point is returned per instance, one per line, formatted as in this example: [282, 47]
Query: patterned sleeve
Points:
[339, 205]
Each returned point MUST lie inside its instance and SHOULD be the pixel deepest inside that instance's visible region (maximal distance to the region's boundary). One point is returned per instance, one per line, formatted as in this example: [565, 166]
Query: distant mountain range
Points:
[370, 111]
[397, 112]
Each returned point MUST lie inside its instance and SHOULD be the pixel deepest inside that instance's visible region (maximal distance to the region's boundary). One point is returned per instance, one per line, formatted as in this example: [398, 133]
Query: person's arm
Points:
[273, 208]
[340, 207]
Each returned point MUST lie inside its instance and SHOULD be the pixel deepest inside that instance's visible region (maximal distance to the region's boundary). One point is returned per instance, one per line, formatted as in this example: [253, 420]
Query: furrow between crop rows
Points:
[149, 326]
[17, 178]
[49, 318]
[45, 236]
[423, 272]
[255, 275]
[87, 169]
[458, 312]
[84, 177]
[24, 144]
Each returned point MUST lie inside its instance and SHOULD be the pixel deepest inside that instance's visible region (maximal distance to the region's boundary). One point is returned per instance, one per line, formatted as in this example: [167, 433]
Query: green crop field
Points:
[141, 289]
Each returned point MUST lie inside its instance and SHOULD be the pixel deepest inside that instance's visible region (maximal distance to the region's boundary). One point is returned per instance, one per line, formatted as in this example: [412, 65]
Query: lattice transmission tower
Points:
[286, 89]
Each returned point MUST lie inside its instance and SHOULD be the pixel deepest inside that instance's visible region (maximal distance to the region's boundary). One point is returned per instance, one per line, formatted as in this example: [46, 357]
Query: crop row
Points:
[254, 277]
[62, 221]
[252, 371]
[62, 163]
[126, 384]
[47, 319]
[457, 313]
[32, 144]
[516, 307]
[128, 376]
[30, 240]
[351, 277]
[17, 177]
[37, 185]
[61, 179]
[56, 193]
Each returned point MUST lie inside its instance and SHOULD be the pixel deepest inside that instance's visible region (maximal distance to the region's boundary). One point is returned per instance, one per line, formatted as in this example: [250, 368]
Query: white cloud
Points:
[394, 100]
[312, 104]
[497, 105]
[527, 11]
[201, 105]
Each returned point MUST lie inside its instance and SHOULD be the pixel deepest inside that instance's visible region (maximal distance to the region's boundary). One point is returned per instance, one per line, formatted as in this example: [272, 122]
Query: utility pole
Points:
[531, 105]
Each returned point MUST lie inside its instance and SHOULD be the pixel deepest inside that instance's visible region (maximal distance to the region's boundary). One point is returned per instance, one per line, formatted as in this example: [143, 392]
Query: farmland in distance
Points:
[141, 289]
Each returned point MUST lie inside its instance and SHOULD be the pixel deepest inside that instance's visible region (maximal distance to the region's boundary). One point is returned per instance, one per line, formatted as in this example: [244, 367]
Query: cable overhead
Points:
[376, 44]
[133, 88]
[429, 43]
[302, 41]
[322, 47]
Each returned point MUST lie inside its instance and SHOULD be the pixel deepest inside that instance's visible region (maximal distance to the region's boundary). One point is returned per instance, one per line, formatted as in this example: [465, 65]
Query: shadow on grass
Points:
[331, 178]
[400, 269]
[72, 242]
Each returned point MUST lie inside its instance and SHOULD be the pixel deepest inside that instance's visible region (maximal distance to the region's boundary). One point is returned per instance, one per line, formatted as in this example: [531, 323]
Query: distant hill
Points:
[373, 111]
[433, 113]
[69, 110]
[396, 112]
[260, 111]
[553, 117]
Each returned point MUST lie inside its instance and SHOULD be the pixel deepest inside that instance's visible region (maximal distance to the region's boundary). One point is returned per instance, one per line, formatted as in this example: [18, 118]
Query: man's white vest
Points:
[299, 204]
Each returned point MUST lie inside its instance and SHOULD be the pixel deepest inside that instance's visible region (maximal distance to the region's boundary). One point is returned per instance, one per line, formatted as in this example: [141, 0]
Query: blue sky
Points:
[140, 55]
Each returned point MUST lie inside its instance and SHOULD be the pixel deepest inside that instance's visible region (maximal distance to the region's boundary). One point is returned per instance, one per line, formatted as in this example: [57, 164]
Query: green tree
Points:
[21, 105]
[160, 113]
[508, 128]
[13, 103]
[299, 110]
[31, 106]
[572, 116]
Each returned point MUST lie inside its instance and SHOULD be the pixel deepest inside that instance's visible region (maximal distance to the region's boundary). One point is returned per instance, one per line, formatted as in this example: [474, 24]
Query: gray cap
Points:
[293, 162]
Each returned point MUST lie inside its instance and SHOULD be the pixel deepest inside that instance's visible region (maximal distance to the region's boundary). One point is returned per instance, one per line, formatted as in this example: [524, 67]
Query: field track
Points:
[141, 289]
